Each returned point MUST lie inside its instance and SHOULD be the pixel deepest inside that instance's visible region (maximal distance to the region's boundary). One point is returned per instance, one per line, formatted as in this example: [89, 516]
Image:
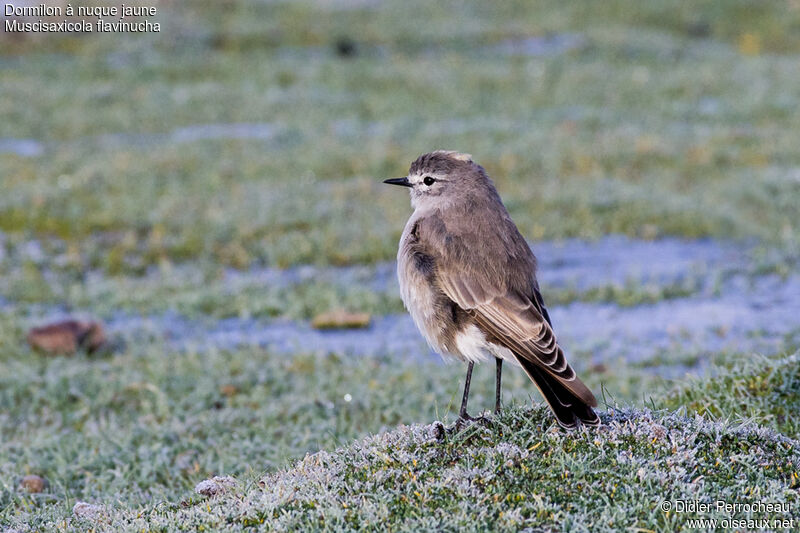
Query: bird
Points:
[468, 279]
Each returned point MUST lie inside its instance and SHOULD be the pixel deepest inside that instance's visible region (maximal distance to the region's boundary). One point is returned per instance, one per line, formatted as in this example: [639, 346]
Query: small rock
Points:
[67, 337]
[33, 484]
[229, 390]
[87, 510]
[340, 319]
[215, 486]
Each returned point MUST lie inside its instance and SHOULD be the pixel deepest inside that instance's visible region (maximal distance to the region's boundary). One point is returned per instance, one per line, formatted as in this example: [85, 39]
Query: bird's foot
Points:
[465, 419]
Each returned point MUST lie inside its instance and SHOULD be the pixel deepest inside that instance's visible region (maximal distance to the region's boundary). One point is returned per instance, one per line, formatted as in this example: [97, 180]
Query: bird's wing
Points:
[490, 287]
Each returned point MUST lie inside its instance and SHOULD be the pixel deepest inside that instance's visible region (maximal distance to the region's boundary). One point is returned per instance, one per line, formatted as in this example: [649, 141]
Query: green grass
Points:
[760, 390]
[643, 130]
[671, 118]
[195, 293]
[145, 425]
[516, 474]
[521, 471]
[198, 291]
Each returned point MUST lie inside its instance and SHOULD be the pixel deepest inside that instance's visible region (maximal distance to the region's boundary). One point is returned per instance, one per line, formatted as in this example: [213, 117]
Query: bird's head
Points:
[443, 177]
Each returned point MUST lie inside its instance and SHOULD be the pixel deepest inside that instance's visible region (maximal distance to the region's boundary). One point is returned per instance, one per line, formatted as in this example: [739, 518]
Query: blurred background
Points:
[255, 132]
[211, 194]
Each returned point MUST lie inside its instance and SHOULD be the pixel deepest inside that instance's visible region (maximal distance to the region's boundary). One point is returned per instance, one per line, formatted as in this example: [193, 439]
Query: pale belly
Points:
[472, 346]
[421, 302]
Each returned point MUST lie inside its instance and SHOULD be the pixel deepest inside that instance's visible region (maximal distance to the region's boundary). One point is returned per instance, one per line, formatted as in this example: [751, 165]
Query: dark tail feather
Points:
[568, 408]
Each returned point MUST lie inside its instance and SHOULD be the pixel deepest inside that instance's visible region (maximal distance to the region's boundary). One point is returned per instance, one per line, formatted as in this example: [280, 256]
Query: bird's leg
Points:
[463, 417]
[463, 413]
[498, 379]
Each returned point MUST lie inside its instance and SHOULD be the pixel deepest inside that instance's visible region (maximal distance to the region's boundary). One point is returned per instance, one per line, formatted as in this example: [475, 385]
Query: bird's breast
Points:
[422, 298]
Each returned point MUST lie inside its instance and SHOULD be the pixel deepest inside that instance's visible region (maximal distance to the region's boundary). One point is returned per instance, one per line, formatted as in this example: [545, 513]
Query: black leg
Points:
[463, 413]
[498, 380]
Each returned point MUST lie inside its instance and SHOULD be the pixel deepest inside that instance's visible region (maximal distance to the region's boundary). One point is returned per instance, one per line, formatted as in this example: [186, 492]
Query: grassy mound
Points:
[518, 473]
[728, 438]
[764, 390]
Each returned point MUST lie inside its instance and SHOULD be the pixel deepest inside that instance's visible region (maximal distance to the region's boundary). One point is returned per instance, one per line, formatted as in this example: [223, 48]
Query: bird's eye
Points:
[428, 181]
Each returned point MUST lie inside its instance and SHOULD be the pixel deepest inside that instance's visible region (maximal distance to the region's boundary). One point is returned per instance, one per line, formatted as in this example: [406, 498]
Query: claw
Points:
[464, 420]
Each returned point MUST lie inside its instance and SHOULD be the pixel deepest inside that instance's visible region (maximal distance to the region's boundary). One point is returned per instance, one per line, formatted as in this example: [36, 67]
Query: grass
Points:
[666, 118]
[211, 291]
[760, 390]
[195, 293]
[516, 474]
[145, 425]
[643, 130]
[521, 471]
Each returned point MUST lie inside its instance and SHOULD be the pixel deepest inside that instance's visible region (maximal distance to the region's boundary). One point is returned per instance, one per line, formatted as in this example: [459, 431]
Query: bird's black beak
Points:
[403, 182]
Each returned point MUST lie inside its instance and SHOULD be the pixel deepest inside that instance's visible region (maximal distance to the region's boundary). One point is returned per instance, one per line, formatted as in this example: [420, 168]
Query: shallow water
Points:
[742, 318]
[618, 259]
[738, 312]
[202, 132]
[570, 263]
[21, 147]
[547, 45]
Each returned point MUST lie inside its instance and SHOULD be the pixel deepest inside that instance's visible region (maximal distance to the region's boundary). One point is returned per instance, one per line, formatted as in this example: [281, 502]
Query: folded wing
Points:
[498, 289]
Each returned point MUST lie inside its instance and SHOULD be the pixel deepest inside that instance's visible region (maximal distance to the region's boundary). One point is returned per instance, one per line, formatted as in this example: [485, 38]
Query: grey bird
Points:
[468, 279]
